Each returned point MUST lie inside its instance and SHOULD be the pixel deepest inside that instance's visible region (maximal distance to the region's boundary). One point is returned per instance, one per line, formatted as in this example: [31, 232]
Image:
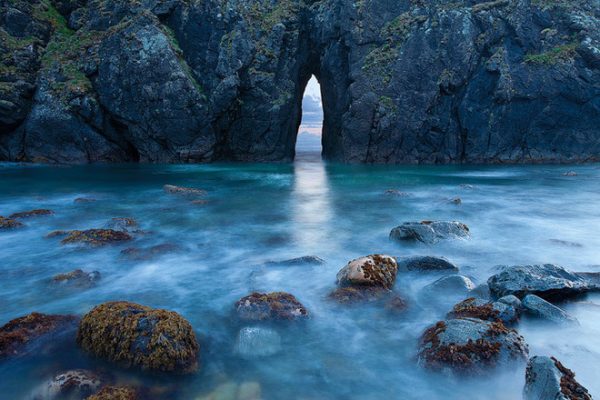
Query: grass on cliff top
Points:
[553, 56]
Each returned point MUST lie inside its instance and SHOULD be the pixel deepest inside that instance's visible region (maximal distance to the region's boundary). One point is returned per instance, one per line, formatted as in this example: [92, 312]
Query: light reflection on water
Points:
[256, 213]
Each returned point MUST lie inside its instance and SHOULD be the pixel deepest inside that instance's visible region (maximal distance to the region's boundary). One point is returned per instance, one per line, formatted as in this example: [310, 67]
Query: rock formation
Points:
[402, 82]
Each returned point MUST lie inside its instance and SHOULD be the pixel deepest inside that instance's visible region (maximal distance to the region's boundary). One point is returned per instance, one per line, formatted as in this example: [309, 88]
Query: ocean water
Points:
[257, 213]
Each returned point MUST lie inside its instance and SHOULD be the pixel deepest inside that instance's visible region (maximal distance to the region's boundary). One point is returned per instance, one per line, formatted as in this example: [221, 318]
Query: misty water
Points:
[257, 213]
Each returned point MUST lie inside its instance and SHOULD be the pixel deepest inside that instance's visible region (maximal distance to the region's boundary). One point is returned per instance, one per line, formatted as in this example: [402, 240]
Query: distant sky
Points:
[312, 109]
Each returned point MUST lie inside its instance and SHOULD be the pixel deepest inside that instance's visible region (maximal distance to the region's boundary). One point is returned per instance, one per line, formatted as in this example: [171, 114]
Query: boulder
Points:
[257, 341]
[425, 264]
[547, 281]
[359, 294]
[95, 237]
[77, 278]
[115, 393]
[511, 300]
[547, 379]
[451, 284]
[487, 311]
[429, 232]
[540, 308]
[18, 334]
[469, 345]
[298, 261]
[183, 191]
[138, 336]
[74, 384]
[9, 223]
[270, 306]
[32, 213]
[374, 270]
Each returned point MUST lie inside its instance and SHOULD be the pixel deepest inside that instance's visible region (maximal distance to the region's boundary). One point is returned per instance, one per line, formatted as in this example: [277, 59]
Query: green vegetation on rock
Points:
[560, 53]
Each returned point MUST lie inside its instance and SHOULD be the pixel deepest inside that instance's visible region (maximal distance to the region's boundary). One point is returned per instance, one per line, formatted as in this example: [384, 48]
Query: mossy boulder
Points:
[138, 336]
[31, 213]
[374, 270]
[115, 393]
[9, 223]
[470, 345]
[18, 334]
[270, 306]
[95, 237]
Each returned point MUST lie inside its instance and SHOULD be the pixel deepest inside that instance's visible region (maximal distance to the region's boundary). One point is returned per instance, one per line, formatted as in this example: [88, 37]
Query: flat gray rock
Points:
[540, 308]
[547, 379]
[429, 232]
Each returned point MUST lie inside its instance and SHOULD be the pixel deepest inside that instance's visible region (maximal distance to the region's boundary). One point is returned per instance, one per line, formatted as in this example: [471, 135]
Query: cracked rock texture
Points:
[407, 81]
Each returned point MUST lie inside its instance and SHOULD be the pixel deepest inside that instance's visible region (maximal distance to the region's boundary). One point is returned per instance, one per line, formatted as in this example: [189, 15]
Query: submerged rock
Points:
[304, 260]
[123, 224]
[17, 334]
[148, 253]
[374, 270]
[540, 308]
[547, 281]
[77, 278]
[93, 237]
[9, 223]
[426, 264]
[470, 345]
[184, 191]
[565, 243]
[257, 341]
[139, 336]
[359, 294]
[84, 200]
[78, 383]
[484, 310]
[547, 379]
[32, 213]
[270, 306]
[115, 393]
[429, 232]
[396, 193]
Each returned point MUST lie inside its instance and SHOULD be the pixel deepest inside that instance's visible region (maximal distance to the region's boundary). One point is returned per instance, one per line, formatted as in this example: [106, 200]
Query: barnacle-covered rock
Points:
[374, 270]
[270, 306]
[139, 336]
[469, 345]
[17, 334]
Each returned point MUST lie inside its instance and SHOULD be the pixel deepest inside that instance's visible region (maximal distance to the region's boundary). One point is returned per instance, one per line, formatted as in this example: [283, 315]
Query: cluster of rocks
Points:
[13, 220]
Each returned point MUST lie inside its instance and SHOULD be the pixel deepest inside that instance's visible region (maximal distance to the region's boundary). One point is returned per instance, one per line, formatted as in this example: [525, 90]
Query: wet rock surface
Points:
[92, 237]
[31, 213]
[8, 223]
[429, 232]
[484, 310]
[540, 308]
[79, 383]
[123, 224]
[374, 270]
[519, 86]
[426, 264]
[470, 345]
[18, 334]
[451, 284]
[547, 379]
[77, 279]
[548, 281]
[298, 261]
[138, 336]
[270, 306]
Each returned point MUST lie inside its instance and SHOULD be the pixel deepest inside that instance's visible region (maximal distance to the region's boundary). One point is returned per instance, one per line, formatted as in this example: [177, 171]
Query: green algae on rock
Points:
[270, 306]
[138, 336]
[20, 332]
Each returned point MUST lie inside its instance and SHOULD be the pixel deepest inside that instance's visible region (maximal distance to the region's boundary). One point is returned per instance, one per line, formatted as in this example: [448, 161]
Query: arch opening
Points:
[309, 142]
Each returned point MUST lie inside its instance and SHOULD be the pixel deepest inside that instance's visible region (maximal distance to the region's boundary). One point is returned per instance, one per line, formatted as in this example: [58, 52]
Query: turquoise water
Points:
[257, 213]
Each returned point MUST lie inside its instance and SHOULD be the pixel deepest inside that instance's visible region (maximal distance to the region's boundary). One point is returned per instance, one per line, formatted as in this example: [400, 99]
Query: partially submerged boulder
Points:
[256, 341]
[9, 223]
[374, 270]
[298, 261]
[359, 294]
[77, 383]
[139, 336]
[148, 253]
[123, 224]
[184, 191]
[548, 281]
[31, 213]
[94, 237]
[451, 284]
[77, 278]
[547, 379]
[487, 311]
[270, 306]
[115, 393]
[429, 232]
[540, 308]
[18, 334]
[425, 264]
[469, 345]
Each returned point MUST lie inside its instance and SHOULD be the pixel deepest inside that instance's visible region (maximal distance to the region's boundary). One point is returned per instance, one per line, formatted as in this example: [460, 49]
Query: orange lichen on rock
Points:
[139, 336]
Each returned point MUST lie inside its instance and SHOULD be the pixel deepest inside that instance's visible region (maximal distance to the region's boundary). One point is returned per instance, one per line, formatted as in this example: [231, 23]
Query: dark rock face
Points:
[17, 334]
[270, 306]
[469, 345]
[139, 336]
[547, 281]
[180, 81]
[429, 232]
[426, 264]
[547, 379]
